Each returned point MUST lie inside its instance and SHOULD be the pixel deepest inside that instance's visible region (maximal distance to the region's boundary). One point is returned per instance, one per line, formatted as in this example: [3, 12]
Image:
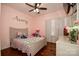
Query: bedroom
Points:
[16, 19]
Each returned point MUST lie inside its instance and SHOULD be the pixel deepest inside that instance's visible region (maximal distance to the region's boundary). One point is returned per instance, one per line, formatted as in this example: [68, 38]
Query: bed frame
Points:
[34, 48]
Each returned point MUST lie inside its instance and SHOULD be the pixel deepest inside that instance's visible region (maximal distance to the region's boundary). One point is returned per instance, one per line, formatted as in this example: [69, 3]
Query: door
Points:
[48, 30]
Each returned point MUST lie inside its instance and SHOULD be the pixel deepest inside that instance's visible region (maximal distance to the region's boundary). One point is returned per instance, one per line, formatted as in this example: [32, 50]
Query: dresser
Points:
[65, 48]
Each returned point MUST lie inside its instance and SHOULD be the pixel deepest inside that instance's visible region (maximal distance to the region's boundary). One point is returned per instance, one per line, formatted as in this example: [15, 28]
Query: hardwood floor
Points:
[49, 50]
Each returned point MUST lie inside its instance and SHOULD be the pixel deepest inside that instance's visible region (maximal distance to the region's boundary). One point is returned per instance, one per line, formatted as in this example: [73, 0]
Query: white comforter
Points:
[30, 45]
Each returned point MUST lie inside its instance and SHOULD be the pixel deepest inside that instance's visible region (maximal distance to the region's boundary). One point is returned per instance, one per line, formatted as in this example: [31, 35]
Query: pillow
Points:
[21, 35]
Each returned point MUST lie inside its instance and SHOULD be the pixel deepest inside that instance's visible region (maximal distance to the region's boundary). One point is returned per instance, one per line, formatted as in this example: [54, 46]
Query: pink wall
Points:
[8, 20]
[0, 28]
[39, 22]
[8, 15]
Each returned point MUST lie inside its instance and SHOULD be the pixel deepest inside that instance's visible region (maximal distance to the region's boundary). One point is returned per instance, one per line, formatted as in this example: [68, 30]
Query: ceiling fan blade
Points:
[31, 10]
[39, 4]
[35, 5]
[42, 8]
[29, 5]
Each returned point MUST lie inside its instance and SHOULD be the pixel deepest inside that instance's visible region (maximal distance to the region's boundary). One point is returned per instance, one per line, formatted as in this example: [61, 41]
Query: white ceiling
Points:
[51, 7]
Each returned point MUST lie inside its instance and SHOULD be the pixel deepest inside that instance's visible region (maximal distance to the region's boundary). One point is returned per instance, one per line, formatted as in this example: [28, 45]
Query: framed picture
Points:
[70, 8]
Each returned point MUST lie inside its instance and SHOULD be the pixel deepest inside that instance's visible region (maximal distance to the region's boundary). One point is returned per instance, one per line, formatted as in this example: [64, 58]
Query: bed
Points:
[27, 45]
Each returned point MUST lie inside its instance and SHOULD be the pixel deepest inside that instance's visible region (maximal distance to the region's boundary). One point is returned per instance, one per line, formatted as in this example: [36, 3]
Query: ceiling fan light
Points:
[37, 10]
[34, 10]
[38, 5]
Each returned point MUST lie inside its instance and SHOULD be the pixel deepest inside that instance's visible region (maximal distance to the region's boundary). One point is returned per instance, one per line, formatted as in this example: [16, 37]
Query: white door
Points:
[51, 31]
[48, 30]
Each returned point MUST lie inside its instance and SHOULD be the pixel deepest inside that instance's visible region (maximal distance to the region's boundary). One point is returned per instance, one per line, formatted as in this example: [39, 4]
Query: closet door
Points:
[54, 31]
[48, 30]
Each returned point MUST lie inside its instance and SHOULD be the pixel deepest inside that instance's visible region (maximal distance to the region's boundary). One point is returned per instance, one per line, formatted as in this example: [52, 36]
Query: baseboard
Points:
[50, 42]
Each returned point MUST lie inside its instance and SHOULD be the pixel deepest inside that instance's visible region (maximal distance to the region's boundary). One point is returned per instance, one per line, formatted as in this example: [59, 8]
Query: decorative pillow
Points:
[21, 35]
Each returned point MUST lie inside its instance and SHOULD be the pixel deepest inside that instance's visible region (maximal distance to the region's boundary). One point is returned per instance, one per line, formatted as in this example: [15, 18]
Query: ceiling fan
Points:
[68, 6]
[36, 7]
